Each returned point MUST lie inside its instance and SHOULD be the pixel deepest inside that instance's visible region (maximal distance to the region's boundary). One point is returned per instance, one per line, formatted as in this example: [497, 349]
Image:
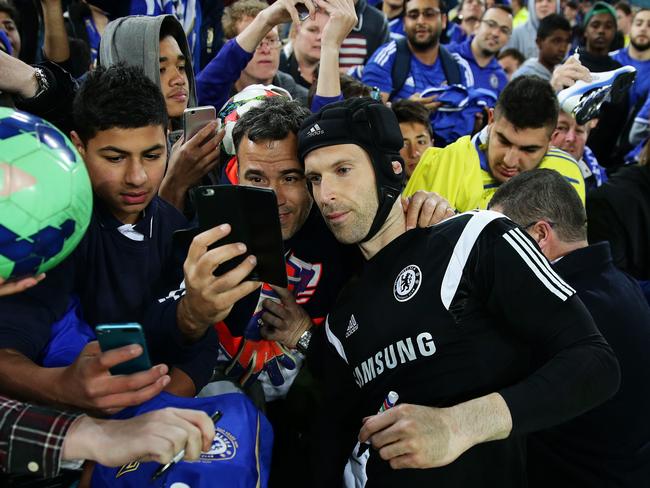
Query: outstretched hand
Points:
[17, 286]
[342, 19]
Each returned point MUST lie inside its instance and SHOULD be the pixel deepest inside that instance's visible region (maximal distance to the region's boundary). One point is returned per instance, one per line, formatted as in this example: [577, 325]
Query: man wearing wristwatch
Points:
[46, 89]
[260, 335]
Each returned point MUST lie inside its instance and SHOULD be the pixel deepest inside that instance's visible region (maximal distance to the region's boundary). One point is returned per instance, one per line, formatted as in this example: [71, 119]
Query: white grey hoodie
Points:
[523, 37]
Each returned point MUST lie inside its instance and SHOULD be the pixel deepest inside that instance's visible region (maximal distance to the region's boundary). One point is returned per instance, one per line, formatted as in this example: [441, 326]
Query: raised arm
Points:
[56, 47]
[342, 18]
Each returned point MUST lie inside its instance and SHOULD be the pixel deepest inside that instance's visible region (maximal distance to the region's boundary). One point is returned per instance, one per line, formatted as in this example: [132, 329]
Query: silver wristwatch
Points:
[303, 342]
[41, 81]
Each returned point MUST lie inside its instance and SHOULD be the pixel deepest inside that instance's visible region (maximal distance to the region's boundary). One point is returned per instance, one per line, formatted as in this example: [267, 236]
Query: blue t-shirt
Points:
[378, 72]
[491, 77]
[455, 33]
[396, 27]
[641, 86]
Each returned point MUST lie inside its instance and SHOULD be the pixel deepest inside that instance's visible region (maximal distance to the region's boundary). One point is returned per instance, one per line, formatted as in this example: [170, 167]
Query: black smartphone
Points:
[253, 217]
[303, 12]
[113, 336]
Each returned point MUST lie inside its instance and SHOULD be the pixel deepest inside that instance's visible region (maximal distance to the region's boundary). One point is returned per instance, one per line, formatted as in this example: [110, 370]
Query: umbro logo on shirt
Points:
[352, 327]
[315, 131]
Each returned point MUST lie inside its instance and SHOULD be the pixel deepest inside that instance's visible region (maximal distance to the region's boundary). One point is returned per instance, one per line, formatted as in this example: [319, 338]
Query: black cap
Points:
[366, 123]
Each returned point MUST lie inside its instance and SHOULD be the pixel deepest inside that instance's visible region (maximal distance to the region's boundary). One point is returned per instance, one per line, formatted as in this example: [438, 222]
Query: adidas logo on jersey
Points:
[352, 327]
[315, 131]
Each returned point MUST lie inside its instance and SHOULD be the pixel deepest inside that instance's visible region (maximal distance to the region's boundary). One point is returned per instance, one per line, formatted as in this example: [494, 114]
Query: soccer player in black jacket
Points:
[465, 320]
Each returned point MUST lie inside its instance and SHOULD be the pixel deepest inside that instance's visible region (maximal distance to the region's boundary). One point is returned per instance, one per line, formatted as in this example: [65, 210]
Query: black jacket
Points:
[619, 212]
[608, 446]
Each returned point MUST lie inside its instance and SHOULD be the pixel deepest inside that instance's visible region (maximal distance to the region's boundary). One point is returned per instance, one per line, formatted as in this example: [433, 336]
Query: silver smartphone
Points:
[196, 118]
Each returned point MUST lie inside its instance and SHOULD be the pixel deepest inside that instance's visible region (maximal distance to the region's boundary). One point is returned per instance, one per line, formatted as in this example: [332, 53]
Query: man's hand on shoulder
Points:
[424, 209]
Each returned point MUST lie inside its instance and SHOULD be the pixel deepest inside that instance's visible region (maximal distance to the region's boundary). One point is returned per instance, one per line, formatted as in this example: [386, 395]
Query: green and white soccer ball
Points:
[45, 195]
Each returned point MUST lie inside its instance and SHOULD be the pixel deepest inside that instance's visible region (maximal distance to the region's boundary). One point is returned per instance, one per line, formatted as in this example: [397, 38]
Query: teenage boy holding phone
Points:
[124, 263]
[130, 40]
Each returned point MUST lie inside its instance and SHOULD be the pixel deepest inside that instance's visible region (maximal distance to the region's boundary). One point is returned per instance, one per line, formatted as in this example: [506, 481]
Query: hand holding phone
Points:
[253, 217]
[192, 157]
[209, 299]
[113, 336]
[196, 118]
[86, 384]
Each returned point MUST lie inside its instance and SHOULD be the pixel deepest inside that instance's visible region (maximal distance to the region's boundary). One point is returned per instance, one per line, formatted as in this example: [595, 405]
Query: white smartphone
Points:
[196, 118]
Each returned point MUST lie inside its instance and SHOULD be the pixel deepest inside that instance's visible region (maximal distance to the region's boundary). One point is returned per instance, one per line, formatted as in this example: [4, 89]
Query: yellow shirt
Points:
[520, 18]
[455, 172]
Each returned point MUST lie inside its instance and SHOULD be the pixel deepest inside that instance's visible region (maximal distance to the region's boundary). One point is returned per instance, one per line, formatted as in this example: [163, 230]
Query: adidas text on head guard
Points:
[370, 125]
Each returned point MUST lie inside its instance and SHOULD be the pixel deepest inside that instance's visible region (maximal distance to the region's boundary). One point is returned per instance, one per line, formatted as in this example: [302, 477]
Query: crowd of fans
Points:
[460, 101]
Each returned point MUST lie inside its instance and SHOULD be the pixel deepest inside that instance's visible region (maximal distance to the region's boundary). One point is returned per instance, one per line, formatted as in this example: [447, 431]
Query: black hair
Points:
[410, 111]
[272, 120]
[528, 102]
[543, 194]
[441, 5]
[119, 96]
[572, 4]
[512, 52]
[551, 23]
[8, 8]
[624, 7]
[499, 6]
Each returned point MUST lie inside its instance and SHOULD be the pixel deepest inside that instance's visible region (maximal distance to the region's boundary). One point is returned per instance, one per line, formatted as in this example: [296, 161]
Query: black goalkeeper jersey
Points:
[450, 313]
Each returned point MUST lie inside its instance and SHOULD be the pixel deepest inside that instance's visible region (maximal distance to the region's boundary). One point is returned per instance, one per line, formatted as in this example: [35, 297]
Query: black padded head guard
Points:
[370, 125]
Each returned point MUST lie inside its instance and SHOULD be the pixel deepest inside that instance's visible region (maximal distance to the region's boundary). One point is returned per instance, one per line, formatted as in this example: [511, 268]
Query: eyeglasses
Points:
[270, 43]
[491, 24]
[429, 13]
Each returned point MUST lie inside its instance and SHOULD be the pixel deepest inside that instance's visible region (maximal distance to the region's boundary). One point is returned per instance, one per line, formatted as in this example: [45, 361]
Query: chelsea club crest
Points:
[224, 446]
[407, 283]
[494, 81]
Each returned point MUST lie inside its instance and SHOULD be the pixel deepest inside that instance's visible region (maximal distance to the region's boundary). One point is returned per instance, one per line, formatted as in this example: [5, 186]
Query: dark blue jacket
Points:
[609, 445]
[117, 280]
